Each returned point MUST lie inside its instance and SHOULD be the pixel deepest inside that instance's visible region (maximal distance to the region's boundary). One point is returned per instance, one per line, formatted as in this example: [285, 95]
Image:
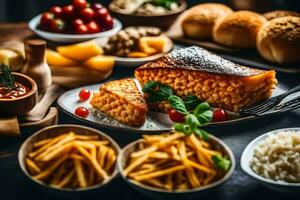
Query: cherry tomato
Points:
[93, 27]
[100, 15]
[67, 12]
[57, 25]
[77, 22]
[57, 11]
[96, 6]
[82, 112]
[79, 4]
[46, 21]
[176, 116]
[87, 14]
[81, 29]
[108, 22]
[84, 94]
[220, 115]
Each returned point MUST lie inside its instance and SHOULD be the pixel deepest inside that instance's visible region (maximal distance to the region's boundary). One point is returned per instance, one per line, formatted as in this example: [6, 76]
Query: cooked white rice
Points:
[278, 157]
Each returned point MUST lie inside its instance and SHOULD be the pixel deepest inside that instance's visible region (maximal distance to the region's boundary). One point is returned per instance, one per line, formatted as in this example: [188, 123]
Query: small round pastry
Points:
[280, 13]
[279, 40]
[238, 29]
[199, 20]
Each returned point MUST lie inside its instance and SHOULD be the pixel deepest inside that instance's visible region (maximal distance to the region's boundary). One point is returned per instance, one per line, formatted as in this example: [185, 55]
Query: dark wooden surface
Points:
[14, 185]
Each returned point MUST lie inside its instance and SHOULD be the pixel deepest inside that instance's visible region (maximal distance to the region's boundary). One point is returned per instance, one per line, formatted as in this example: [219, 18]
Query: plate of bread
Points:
[269, 40]
[127, 104]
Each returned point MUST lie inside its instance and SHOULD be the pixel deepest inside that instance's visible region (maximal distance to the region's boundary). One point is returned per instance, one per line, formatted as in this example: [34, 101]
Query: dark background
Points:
[23, 10]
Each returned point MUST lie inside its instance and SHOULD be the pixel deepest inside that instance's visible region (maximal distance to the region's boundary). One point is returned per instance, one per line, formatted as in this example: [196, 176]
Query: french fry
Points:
[102, 155]
[154, 182]
[80, 173]
[88, 137]
[59, 174]
[66, 179]
[135, 164]
[110, 160]
[52, 142]
[44, 174]
[62, 141]
[42, 142]
[93, 162]
[63, 149]
[33, 168]
[91, 178]
[159, 173]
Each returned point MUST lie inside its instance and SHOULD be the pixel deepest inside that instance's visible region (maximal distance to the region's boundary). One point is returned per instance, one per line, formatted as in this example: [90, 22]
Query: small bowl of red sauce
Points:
[20, 99]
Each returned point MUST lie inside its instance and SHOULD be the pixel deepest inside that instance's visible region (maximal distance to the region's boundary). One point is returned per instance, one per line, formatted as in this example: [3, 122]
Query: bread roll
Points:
[280, 13]
[238, 29]
[199, 20]
[279, 40]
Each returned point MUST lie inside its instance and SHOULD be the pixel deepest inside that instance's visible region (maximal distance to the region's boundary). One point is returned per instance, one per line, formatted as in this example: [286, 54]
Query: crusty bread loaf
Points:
[280, 13]
[279, 40]
[238, 29]
[198, 21]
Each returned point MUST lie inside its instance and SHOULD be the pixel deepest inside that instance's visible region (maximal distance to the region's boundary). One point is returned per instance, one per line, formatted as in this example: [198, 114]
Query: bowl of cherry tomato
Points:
[77, 22]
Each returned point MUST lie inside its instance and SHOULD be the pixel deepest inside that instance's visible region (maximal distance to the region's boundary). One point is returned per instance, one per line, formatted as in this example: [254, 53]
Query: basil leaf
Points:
[177, 103]
[202, 134]
[220, 162]
[156, 97]
[184, 128]
[202, 107]
[165, 89]
[191, 102]
[205, 117]
[192, 121]
[149, 86]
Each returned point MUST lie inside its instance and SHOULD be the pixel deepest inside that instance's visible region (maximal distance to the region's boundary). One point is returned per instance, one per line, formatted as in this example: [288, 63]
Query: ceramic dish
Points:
[188, 194]
[165, 20]
[71, 38]
[289, 188]
[53, 131]
[155, 121]
[23, 104]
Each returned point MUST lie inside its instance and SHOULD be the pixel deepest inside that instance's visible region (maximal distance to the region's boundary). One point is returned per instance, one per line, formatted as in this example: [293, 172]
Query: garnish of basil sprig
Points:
[197, 114]
[6, 77]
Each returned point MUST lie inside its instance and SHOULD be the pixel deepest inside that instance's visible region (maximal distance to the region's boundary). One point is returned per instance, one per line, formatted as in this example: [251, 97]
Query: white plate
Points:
[69, 38]
[156, 122]
[290, 188]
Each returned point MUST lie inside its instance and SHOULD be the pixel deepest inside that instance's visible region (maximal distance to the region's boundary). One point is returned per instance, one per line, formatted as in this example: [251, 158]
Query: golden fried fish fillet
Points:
[121, 100]
[195, 71]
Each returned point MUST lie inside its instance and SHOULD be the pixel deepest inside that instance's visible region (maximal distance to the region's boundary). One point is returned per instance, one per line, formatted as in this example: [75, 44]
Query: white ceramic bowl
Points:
[289, 188]
[69, 38]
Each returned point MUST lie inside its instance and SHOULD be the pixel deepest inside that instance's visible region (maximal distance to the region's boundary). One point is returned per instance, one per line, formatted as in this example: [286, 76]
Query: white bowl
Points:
[69, 38]
[290, 188]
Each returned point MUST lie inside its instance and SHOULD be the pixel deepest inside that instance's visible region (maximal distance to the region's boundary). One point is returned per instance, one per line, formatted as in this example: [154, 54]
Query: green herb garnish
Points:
[6, 78]
[164, 3]
[200, 116]
[221, 162]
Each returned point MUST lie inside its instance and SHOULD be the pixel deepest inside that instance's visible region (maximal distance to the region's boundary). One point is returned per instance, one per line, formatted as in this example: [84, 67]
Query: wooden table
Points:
[14, 185]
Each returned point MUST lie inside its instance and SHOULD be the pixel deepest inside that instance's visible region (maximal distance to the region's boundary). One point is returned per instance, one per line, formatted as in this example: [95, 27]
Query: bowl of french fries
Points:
[174, 165]
[69, 158]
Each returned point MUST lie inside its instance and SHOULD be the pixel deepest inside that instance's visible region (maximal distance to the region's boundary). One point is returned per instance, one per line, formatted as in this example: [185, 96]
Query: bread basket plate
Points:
[155, 122]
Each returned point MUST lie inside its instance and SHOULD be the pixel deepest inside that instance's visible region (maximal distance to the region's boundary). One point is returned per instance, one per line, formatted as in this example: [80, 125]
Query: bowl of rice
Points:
[274, 160]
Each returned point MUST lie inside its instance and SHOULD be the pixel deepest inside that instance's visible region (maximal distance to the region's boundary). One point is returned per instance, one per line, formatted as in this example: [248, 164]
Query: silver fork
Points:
[261, 107]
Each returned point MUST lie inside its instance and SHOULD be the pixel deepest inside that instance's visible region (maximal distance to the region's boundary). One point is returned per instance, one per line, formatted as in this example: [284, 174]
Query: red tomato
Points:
[77, 22]
[87, 14]
[79, 4]
[57, 11]
[108, 22]
[82, 112]
[81, 29]
[220, 115]
[84, 94]
[67, 12]
[58, 26]
[46, 20]
[176, 116]
[100, 15]
[93, 27]
[96, 6]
